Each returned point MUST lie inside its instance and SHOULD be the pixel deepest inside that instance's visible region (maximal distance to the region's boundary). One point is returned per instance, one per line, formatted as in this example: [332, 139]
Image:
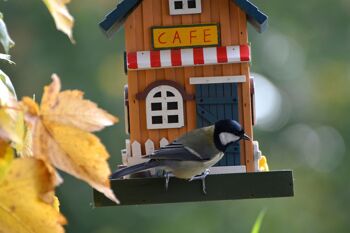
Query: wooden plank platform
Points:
[219, 187]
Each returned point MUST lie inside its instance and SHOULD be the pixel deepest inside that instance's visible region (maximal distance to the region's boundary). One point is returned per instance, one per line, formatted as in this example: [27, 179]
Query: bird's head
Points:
[227, 132]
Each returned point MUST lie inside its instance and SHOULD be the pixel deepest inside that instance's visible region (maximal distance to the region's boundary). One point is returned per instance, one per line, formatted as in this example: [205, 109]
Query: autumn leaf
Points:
[12, 125]
[69, 108]
[7, 126]
[6, 158]
[22, 207]
[5, 38]
[61, 135]
[63, 19]
[56, 204]
[13, 128]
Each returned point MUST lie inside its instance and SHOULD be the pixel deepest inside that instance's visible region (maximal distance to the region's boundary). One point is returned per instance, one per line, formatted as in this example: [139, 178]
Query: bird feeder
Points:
[188, 66]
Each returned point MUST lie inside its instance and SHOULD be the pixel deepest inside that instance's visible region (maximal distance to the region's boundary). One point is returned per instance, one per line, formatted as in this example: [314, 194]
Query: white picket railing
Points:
[132, 154]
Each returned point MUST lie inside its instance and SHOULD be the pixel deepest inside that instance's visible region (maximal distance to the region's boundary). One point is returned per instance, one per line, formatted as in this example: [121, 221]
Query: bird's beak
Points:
[246, 137]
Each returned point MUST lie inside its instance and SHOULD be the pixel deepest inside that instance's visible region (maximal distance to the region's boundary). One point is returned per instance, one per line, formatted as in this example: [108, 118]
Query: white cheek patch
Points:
[227, 138]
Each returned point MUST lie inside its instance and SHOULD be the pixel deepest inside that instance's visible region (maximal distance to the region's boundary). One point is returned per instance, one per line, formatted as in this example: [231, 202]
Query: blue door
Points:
[217, 102]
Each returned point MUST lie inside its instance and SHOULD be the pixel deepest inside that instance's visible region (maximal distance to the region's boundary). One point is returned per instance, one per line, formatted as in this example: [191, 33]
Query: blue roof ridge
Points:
[116, 18]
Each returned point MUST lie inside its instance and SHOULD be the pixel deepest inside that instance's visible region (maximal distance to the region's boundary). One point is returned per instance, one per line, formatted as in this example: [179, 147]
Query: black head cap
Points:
[228, 126]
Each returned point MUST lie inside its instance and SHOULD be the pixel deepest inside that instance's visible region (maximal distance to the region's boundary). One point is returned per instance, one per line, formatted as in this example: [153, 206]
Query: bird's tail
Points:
[134, 169]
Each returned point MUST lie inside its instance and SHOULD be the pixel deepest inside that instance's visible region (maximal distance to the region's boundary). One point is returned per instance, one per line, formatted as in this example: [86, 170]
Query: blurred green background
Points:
[304, 102]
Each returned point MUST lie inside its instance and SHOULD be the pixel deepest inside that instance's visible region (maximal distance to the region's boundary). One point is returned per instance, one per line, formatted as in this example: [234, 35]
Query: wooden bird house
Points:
[188, 66]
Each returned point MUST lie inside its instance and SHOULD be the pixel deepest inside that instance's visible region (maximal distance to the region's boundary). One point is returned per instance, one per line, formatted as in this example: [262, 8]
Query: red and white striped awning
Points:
[187, 57]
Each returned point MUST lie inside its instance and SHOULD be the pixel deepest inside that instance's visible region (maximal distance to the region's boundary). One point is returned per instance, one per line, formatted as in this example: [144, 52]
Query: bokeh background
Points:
[302, 66]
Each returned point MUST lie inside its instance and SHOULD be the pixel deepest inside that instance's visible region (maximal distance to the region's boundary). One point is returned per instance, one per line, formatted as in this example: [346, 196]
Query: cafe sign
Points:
[203, 35]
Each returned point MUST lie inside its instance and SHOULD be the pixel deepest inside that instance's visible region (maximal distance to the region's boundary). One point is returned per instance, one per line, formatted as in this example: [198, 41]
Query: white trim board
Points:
[218, 79]
[228, 170]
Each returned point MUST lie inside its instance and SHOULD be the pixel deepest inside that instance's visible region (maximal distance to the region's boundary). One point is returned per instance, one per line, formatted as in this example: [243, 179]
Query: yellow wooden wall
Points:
[138, 38]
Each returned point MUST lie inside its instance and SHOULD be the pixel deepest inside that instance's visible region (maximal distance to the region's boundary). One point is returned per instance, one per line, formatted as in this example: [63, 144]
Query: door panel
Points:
[218, 102]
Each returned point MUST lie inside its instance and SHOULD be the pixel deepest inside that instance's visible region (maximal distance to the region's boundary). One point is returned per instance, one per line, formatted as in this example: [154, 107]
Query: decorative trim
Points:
[136, 149]
[164, 142]
[218, 79]
[144, 60]
[143, 95]
[129, 152]
[228, 170]
[149, 146]
[128, 147]
[124, 157]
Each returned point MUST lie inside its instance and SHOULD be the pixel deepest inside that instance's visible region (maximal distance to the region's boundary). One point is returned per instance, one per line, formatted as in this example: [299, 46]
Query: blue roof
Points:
[257, 18]
[115, 19]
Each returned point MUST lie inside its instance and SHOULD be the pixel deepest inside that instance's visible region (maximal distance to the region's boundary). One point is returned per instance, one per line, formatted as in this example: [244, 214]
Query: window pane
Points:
[173, 119]
[172, 106]
[157, 120]
[192, 4]
[170, 94]
[156, 106]
[158, 94]
[178, 5]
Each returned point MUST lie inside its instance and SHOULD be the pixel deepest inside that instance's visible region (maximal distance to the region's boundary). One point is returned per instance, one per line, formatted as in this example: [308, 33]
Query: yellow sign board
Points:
[186, 36]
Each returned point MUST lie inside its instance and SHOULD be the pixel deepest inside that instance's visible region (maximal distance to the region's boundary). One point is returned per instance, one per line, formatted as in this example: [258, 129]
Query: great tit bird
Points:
[190, 156]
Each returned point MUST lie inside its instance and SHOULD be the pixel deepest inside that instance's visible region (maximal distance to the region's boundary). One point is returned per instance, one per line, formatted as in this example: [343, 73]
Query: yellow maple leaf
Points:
[22, 207]
[7, 126]
[13, 129]
[69, 108]
[63, 19]
[12, 126]
[61, 135]
[56, 204]
[6, 158]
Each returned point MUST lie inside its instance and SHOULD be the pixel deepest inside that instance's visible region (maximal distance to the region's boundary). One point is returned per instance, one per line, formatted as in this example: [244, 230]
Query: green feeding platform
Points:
[142, 191]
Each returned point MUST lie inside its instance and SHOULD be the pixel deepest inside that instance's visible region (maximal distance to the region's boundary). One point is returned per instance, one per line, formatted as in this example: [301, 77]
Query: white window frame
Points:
[164, 113]
[185, 10]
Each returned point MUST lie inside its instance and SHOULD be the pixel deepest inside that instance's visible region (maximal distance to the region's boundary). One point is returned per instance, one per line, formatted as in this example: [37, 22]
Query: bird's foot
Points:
[202, 178]
[167, 179]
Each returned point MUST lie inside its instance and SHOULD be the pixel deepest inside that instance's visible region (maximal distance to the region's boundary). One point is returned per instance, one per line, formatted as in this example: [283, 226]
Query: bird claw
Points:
[202, 178]
[167, 179]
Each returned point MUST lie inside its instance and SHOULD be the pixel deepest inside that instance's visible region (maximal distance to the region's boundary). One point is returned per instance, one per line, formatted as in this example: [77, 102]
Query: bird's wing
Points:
[200, 141]
[196, 145]
[176, 151]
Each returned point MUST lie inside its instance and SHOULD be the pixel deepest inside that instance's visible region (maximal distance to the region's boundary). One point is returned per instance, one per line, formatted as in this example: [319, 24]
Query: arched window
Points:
[164, 107]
